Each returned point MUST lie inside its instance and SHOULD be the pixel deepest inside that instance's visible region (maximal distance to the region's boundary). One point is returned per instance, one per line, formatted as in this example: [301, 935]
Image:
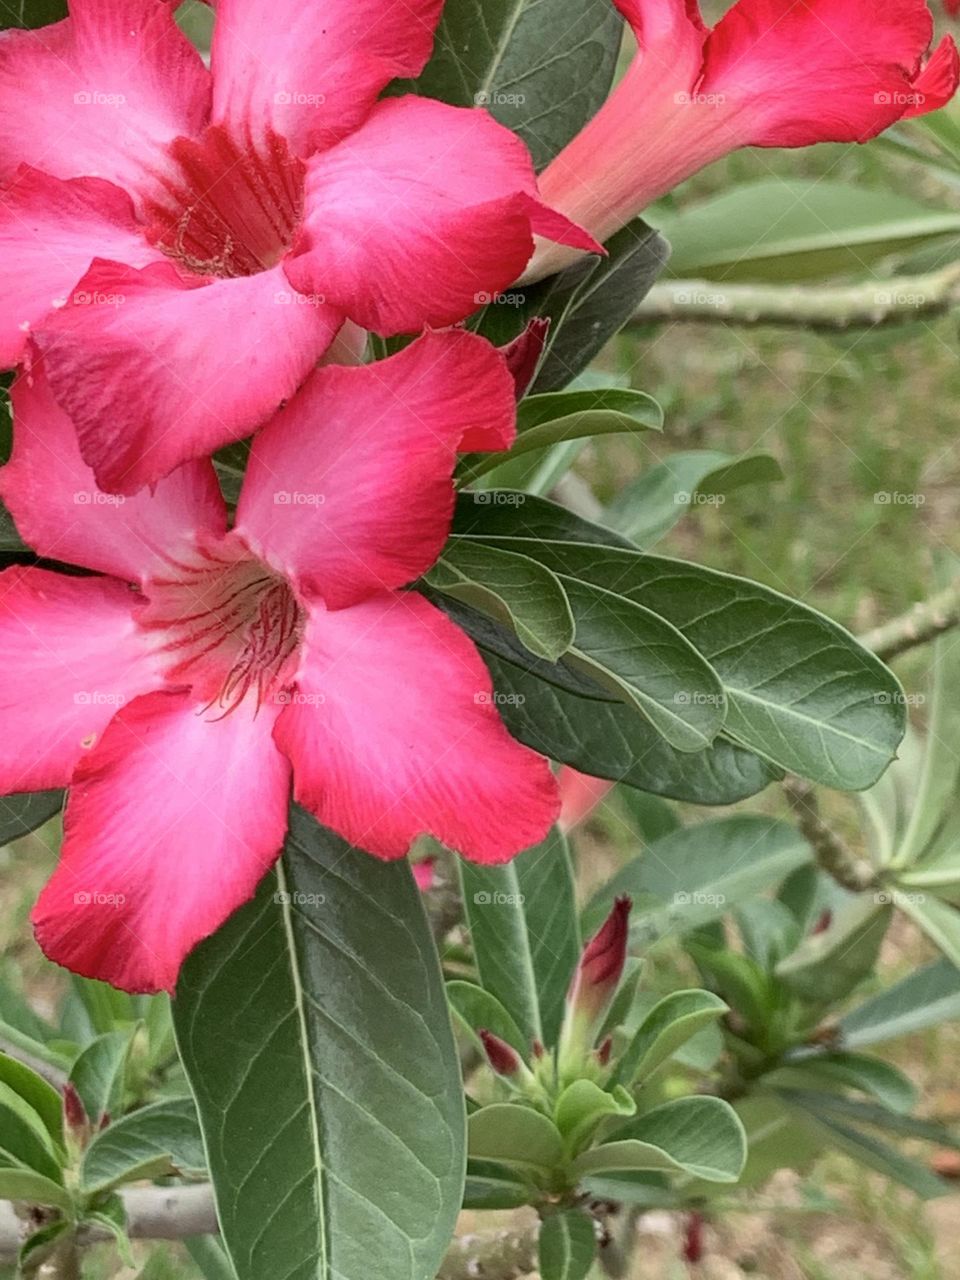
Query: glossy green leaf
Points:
[858, 1112]
[668, 1025]
[650, 507]
[698, 873]
[99, 1072]
[523, 924]
[162, 1138]
[20, 814]
[493, 54]
[210, 1257]
[511, 588]
[797, 230]
[25, 1142]
[922, 999]
[881, 1080]
[105, 1005]
[316, 1036]
[583, 1105]
[493, 1186]
[567, 1247]
[477, 1010]
[546, 420]
[36, 1092]
[938, 920]
[515, 1136]
[799, 689]
[702, 1137]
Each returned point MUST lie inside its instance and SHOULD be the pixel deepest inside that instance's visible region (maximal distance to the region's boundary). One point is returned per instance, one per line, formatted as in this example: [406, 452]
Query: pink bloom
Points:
[771, 73]
[425, 874]
[503, 1058]
[952, 7]
[182, 687]
[186, 243]
[580, 793]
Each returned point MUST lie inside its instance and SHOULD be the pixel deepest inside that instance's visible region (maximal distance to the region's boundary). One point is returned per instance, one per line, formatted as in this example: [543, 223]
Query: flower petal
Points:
[53, 496]
[155, 369]
[393, 732]
[420, 216]
[821, 71]
[937, 82]
[170, 825]
[100, 94]
[50, 232]
[349, 489]
[279, 65]
[70, 656]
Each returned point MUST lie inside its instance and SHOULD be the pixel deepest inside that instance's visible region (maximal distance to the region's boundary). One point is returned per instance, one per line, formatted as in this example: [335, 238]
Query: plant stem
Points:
[832, 855]
[921, 623]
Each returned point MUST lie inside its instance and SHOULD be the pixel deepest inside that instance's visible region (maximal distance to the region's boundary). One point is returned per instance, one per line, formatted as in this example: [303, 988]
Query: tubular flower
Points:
[771, 73]
[184, 244]
[198, 670]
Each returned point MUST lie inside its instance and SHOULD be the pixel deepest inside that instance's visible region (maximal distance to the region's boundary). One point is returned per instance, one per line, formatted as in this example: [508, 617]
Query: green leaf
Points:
[546, 420]
[31, 13]
[492, 1186]
[868, 1150]
[105, 1005]
[477, 1010]
[649, 508]
[493, 54]
[698, 873]
[523, 924]
[568, 1246]
[879, 1117]
[609, 740]
[583, 1105]
[316, 1036]
[511, 588]
[41, 1245]
[18, 1183]
[668, 1025]
[827, 966]
[799, 689]
[922, 999]
[35, 1092]
[210, 1257]
[506, 513]
[516, 1136]
[797, 230]
[635, 653]
[162, 1138]
[881, 1080]
[20, 814]
[98, 1074]
[25, 1141]
[938, 920]
[702, 1137]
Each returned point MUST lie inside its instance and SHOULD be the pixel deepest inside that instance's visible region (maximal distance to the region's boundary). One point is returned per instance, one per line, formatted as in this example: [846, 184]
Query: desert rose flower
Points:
[184, 244]
[199, 669]
[771, 73]
[593, 988]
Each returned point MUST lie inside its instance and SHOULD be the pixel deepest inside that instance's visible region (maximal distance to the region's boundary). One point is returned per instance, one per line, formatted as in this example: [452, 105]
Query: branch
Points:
[866, 305]
[832, 855]
[496, 1255]
[923, 622]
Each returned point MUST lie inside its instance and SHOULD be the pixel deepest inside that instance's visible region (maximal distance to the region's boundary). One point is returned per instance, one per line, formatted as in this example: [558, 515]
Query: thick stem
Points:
[901, 300]
[831, 853]
[920, 624]
[496, 1255]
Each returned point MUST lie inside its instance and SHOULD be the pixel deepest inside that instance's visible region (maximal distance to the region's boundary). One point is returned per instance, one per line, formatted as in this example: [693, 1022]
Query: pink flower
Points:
[952, 7]
[580, 794]
[179, 689]
[771, 73]
[186, 243]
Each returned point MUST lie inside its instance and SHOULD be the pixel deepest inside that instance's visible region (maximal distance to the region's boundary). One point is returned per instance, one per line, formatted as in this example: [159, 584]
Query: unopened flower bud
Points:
[74, 1112]
[601, 966]
[502, 1057]
[604, 1052]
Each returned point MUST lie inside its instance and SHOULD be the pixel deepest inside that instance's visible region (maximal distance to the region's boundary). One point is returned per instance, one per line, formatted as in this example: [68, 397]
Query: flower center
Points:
[226, 625]
[225, 209]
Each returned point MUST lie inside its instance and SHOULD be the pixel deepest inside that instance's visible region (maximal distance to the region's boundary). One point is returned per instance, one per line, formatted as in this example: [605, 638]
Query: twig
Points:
[920, 624]
[832, 855]
[866, 305]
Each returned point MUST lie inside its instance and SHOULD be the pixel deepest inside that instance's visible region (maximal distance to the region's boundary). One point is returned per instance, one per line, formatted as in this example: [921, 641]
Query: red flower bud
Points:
[504, 1059]
[523, 354]
[538, 1049]
[823, 924]
[604, 1051]
[74, 1112]
[693, 1239]
[601, 965]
